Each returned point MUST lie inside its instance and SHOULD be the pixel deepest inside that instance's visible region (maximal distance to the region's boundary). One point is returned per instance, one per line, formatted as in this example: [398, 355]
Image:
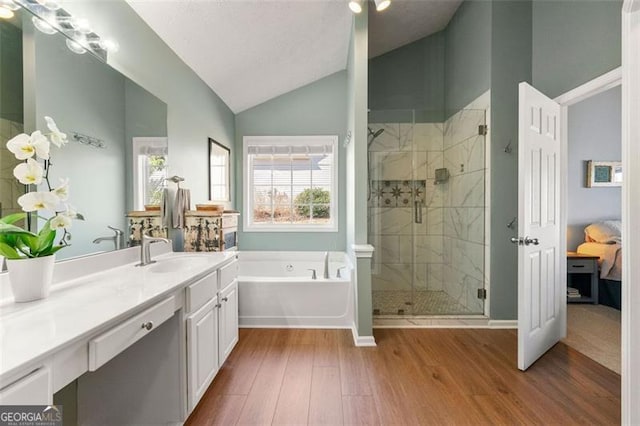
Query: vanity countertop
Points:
[79, 308]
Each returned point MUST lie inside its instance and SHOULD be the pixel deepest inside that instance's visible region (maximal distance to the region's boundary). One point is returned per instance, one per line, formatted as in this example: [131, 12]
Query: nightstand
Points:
[582, 274]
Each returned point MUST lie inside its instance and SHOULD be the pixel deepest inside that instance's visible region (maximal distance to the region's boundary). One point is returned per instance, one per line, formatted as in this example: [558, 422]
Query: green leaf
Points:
[46, 237]
[12, 218]
[6, 228]
[8, 251]
[51, 250]
[30, 241]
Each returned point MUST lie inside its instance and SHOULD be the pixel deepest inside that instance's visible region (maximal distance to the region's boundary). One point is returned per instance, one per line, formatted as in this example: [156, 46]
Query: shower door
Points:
[427, 213]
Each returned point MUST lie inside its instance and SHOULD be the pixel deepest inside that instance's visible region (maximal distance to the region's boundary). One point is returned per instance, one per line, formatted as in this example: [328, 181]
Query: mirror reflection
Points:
[104, 114]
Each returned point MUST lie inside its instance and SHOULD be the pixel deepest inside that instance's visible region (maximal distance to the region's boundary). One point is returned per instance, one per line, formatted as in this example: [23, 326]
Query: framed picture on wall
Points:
[604, 173]
[219, 172]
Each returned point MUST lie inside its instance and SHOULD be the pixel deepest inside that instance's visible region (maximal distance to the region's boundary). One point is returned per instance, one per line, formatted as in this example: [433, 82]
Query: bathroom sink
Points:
[174, 264]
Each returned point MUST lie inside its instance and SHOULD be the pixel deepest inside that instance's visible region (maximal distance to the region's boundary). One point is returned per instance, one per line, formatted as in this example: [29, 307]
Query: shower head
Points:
[376, 133]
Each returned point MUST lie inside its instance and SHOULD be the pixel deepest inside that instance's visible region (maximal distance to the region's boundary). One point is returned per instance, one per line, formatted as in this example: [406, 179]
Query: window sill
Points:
[289, 229]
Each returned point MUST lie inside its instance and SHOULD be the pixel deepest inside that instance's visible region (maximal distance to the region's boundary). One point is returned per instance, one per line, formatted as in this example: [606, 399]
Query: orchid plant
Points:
[17, 242]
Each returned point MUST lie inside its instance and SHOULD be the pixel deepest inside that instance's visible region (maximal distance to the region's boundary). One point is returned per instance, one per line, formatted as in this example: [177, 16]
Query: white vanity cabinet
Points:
[228, 336]
[34, 389]
[211, 328]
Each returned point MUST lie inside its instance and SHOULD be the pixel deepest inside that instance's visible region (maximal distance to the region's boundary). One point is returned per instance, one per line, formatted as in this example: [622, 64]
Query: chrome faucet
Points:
[326, 265]
[117, 239]
[145, 249]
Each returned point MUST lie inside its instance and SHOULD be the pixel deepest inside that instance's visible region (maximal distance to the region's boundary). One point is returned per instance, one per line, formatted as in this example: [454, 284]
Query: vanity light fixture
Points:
[6, 13]
[355, 6]
[382, 4]
[75, 47]
[43, 26]
[82, 25]
[9, 4]
[110, 45]
[50, 4]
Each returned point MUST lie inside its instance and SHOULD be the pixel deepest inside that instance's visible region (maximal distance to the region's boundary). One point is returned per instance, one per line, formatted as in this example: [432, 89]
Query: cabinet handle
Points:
[218, 305]
[147, 325]
[578, 266]
[225, 299]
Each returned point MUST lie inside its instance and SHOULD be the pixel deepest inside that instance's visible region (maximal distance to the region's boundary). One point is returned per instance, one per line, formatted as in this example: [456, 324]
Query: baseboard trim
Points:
[362, 341]
[503, 323]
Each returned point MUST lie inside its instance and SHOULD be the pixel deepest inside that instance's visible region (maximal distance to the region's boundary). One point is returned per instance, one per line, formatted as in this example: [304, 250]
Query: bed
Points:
[602, 239]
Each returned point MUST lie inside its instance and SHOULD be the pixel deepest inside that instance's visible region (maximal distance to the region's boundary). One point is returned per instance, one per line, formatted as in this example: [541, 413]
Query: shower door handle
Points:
[417, 210]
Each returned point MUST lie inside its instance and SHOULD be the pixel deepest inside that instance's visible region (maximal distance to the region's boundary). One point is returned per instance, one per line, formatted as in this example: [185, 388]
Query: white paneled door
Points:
[541, 296]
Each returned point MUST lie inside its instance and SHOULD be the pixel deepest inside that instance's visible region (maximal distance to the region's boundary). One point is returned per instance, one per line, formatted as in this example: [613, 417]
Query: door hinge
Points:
[483, 129]
[482, 293]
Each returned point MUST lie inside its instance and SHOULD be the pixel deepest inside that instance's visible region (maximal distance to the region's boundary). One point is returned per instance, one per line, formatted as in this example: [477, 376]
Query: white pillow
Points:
[606, 232]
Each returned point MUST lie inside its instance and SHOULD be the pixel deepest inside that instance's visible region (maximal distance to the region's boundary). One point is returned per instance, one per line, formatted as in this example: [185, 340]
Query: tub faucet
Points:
[145, 249]
[314, 276]
[326, 265]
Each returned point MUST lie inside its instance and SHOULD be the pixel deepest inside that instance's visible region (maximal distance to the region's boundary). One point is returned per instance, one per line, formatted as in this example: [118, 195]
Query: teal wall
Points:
[11, 99]
[145, 116]
[467, 55]
[195, 112]
[510, 64]
[357, 219]
[84, 95]
[410, 78]
[319, 108]
[574, 42]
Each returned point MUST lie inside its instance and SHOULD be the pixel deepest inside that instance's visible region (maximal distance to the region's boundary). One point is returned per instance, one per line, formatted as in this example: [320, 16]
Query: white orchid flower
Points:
[32, 201]
[40, 144]
[62, 191]
[21, 146]
[60, 221]
[58, 138]
[71, 212]
[29, 173]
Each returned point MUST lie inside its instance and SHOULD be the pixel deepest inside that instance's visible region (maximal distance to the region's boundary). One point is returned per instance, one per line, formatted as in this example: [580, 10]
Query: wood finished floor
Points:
[413, 377]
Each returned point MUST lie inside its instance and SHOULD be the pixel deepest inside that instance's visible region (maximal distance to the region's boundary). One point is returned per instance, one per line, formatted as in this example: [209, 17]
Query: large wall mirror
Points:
[102, 112]
[219, 172]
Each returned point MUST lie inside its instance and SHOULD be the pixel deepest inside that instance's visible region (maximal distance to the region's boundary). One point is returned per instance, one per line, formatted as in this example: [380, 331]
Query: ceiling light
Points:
[75, 47]
[82, 25]
[355, 6]
[382, 4]
[9, 4]
[110, 45]
[6, 13]
[42, 26]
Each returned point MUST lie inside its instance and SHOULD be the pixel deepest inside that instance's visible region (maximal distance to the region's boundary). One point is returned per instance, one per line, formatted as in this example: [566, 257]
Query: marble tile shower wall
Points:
[403, 160]
[464, 211]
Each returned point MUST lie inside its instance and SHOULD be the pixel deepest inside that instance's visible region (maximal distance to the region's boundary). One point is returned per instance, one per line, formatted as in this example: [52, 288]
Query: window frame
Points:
[139, 184]
[248, 226]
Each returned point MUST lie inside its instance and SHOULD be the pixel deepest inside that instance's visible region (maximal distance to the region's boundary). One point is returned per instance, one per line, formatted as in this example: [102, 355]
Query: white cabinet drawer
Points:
[201, 292]
[116, 340]
[34, 389]
[230, 221]
[228, 273]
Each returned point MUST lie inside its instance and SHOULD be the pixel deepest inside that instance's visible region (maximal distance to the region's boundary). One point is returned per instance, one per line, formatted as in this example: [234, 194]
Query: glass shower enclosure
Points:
[427, 210]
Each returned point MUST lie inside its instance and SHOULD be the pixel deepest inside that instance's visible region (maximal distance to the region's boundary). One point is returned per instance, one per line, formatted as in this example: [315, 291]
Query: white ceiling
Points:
[250, 51]
[406, 21]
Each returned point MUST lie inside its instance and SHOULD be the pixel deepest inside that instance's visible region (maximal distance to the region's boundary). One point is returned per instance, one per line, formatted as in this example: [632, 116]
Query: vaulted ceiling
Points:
[251, 51]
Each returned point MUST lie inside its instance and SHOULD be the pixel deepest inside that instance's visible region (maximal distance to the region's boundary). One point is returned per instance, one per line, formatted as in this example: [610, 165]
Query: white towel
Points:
[165, 208]
[182, 204]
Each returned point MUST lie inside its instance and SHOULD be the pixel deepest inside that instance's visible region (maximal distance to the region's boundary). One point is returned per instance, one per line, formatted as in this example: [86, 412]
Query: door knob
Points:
[525, 241]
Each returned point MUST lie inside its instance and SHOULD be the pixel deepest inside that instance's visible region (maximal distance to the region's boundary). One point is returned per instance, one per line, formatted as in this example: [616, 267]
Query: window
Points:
[290, 183]
[149, 170]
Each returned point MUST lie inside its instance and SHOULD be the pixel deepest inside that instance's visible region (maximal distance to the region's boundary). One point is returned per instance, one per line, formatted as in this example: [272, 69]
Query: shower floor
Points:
[397, 302]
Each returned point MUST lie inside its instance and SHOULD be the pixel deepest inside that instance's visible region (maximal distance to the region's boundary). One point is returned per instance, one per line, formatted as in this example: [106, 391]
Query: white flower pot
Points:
[31, 278]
